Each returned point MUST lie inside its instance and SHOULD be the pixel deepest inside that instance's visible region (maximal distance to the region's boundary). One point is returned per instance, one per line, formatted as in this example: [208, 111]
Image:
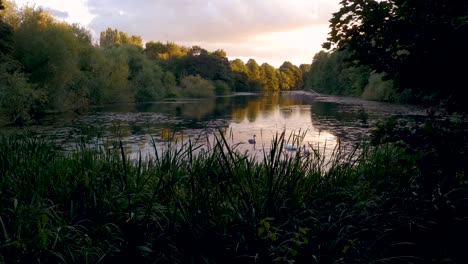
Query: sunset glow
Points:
[271, 32]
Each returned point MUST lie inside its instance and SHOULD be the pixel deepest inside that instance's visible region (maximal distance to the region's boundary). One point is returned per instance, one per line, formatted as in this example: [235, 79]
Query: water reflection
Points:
[310, 121]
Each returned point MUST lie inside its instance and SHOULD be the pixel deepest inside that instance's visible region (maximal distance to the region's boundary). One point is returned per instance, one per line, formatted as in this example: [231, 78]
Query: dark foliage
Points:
[418, 44]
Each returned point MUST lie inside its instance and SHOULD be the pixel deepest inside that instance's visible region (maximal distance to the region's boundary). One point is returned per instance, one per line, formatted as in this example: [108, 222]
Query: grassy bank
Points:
[220, 206]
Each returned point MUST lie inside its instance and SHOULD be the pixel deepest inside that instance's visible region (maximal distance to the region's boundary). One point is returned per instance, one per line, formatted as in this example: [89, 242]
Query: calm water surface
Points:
[310, 120]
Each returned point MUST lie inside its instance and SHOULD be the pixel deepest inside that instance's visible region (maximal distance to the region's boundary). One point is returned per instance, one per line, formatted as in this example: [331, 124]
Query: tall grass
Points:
[222, 206]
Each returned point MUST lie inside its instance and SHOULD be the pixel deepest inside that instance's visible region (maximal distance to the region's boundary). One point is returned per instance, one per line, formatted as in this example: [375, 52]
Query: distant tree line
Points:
[215, 66]
[333, 73]
[50, 66]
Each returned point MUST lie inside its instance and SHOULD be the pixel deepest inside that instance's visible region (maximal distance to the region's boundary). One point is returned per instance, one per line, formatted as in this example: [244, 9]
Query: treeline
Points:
[235, 75]
[333, 73]
[51, 66]
[418, 45]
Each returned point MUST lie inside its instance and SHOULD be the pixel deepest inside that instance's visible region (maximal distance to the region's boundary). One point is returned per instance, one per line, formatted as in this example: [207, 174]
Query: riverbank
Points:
[222, 206]
[367, 105]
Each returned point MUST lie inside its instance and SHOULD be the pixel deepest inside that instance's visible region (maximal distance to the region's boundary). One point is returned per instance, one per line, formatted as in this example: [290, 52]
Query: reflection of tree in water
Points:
[286, 112]
[238, 115]
[198, 110]
[251, 107]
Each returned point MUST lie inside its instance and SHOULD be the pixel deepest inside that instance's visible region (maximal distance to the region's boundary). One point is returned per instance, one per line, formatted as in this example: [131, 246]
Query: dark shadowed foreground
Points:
[403, 201]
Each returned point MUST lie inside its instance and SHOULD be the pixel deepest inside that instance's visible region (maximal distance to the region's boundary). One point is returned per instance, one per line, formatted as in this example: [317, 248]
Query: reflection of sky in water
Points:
[294, 120]
[317, 122]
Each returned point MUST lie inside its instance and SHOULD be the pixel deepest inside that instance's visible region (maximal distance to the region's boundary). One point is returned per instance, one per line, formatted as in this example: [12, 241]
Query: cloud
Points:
[239, 24]
[55, 12]
[207, 20]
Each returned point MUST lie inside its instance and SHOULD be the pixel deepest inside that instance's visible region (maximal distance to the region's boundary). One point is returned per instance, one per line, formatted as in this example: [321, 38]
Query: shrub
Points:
[18, 98]
[378, 89]
[221, 87]
[197, 87]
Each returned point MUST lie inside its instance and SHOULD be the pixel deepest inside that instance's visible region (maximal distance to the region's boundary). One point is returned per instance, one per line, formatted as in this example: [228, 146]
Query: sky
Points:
[271, 31]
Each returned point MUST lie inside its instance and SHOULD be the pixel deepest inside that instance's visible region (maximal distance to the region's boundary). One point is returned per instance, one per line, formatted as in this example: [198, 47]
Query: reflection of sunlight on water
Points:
[296, 124]
[295, 121]
[306, 122]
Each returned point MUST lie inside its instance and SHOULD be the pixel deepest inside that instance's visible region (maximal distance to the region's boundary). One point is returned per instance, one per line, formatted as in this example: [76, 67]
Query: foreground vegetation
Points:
[403, 201]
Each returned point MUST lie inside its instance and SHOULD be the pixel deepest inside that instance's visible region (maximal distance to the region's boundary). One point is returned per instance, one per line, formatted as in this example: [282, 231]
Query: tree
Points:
[418, 44]
[305, 68]
[9, 14]
[208, 66]
[154, 50]
[6, 41]
[254, 70]
[331, 73]
[112, 37]
[50, 52]
[291, 75]
[219, 53]
[269, 77]
[197, 51]
[238, 65]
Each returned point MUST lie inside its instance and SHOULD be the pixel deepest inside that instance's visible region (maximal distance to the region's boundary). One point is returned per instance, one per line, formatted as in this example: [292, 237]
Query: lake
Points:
[309, 120]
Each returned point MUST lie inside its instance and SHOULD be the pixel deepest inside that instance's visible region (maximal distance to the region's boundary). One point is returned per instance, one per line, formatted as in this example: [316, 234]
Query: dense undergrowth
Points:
[404, 201]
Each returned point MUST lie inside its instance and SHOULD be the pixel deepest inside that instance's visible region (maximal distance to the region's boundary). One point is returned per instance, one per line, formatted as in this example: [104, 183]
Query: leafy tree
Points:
[418, 44]
[305, 68]
[18, 98]
[219, 53]
[112, 37]
[9, 14]
[269, 77]
[291, 76]
[208, 66]
[197, 51]
[238, 65]
[6, 41]
[240, 75]
[50, 53]
[131, 76]
[254, 70]
[331, 73]
[169, 56]
[117, 70]
[147, 79]
[254, 74]
[158, 50]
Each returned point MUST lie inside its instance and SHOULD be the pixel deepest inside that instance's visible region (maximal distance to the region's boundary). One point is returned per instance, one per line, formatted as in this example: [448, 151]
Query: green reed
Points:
[219, 205]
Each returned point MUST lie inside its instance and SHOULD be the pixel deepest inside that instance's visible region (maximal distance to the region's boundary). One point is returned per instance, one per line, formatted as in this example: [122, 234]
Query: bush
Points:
[379, 90]
[197, 87]
[18, 98]
[221, 87]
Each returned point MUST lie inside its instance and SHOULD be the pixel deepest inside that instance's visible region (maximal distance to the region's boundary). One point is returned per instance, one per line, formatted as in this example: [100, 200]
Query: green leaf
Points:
[261, 230]
[345, 249]
[272, 236]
